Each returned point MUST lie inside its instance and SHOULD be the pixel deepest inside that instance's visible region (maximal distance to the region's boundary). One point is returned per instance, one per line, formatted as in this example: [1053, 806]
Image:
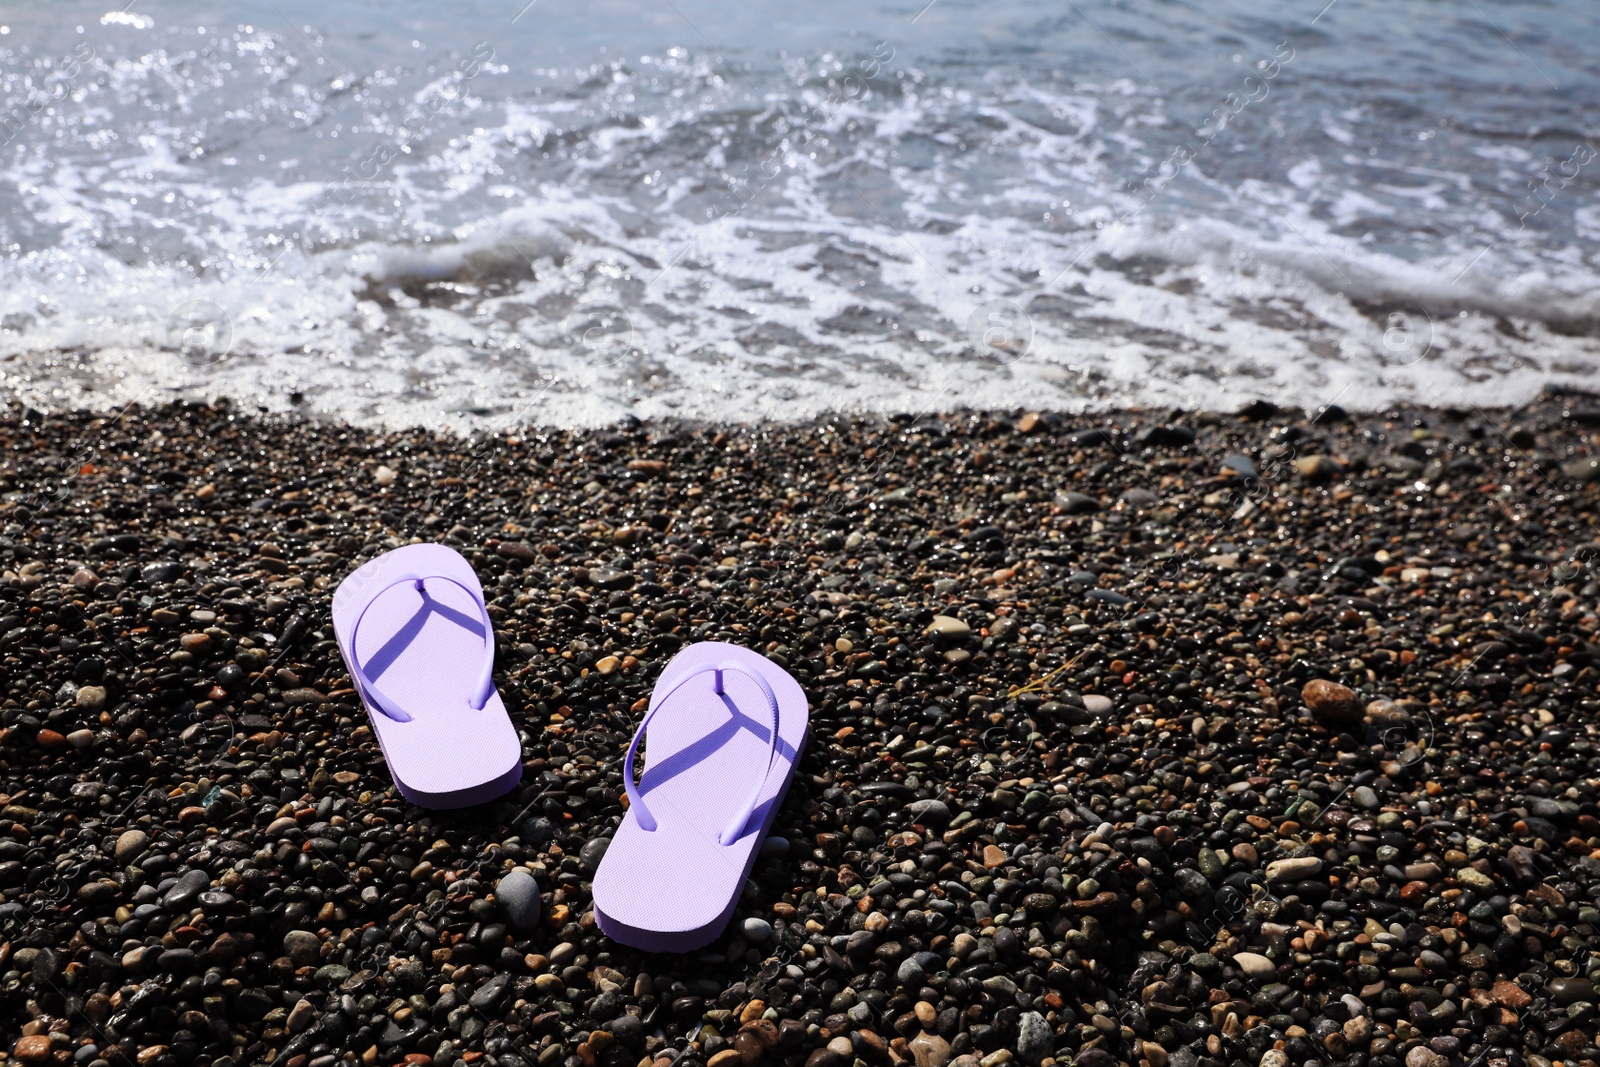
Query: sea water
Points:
[473, 213]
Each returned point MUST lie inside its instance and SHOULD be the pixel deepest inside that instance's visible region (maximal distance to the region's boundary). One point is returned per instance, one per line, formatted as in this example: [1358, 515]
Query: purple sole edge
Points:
[466, 798]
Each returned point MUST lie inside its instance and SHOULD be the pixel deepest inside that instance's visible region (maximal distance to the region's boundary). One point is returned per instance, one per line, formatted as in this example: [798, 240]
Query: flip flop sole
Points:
[673, 889]
[689, 940]
[450, 755]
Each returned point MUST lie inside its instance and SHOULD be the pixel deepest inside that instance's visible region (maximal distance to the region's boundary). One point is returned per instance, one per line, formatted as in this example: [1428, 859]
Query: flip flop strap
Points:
[731, 832]
[483, 685]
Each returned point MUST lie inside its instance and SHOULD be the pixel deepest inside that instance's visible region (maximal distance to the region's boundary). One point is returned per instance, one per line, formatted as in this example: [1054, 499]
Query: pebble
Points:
[185, 890]
[929, 1050]
[1293, 869]
[756, 930]
[1035, 1039]
[1254, 966]
[592, 852]
[1074, 503]
[517, 893]
[1097, 705]
[90, 697]
[130, 844]
[302, 947]
[1332, 703]
[947, 626]
[301, 1016]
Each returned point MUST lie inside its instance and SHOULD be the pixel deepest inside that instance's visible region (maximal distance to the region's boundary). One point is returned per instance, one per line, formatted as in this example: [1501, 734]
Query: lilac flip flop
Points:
[415, 635]
[725, 728]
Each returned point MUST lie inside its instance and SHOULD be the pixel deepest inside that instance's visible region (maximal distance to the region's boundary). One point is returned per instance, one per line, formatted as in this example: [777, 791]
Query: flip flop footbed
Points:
[426, 648]
[673, 888]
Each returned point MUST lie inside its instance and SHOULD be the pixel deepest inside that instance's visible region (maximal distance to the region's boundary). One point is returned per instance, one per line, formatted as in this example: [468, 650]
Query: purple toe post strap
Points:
[482, 686]
[731, 832]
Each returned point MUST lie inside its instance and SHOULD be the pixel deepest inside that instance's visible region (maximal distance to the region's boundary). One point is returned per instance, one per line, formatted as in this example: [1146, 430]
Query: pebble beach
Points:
[1149, 738]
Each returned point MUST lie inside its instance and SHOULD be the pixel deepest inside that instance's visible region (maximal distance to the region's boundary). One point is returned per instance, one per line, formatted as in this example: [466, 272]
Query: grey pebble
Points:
[185, 890]
[302, 947]
[517, 893]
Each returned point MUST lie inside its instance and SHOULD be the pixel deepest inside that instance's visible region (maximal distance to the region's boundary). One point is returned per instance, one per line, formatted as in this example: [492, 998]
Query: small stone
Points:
[91, 697]
[611, 578]
[1274, 1057]
[1586, 469]
[49, 739]
[993, 856]
[183, 893]
[1423, 1056]
[1097, 704]
[80, 738]
[1473, 878]
[1076, 503]
[1318, 468]
[1571, 990]
[1035, 1039]
[1293, 869]
[489, 995]
[592, 852]
[130, 844]
[932, 813]
[910, 974]
[607, 664]
[1254, 966]
[1332, 703]
[383, 476]
[302, 947]
[1240, 465]
[756, 930]
[929, 1050]
[35, 1048]
[1509, 995]
[517, 893]
[1029, 422]
[300, 1016]
[948, 626]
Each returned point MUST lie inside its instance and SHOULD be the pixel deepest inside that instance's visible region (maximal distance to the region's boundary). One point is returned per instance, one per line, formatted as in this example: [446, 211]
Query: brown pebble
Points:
[34, 1048]
[50, 739]
[1332, 703]
[1510, 995]
[993, 856]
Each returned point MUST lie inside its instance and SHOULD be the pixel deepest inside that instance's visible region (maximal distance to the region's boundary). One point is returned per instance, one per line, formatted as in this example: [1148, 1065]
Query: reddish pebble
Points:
[33, 1049]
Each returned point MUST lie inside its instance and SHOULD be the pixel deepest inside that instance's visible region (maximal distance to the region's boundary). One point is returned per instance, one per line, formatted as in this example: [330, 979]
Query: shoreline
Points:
[1069, 793]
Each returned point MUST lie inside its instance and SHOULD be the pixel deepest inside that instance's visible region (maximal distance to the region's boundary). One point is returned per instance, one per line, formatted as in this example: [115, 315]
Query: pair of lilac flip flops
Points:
[723, 733]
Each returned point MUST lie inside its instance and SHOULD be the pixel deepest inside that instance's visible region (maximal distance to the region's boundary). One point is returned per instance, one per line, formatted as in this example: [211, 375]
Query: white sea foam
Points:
[666, 234]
